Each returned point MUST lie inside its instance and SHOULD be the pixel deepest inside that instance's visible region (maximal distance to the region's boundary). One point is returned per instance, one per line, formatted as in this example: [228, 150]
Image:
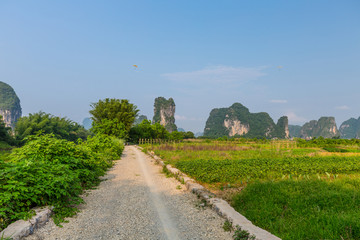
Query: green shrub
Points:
[26, 184]
[107, 146]
[48, 149]
[51, 171]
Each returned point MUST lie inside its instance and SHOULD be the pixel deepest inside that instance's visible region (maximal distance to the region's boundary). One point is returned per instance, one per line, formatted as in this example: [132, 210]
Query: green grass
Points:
[233, 171]
[227, 162]
[222, 151]
[307, 209]
[335, 149]
[295, 190]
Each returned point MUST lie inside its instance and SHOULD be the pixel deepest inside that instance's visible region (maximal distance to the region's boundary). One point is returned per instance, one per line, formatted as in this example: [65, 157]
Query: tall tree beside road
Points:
[120, 112]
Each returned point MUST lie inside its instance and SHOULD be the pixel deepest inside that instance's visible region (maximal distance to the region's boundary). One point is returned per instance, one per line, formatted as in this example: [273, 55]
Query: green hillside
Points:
[8, 98]
[253, 125]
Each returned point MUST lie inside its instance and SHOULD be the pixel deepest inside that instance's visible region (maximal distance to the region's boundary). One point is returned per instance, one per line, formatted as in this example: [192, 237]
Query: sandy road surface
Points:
[138, 202]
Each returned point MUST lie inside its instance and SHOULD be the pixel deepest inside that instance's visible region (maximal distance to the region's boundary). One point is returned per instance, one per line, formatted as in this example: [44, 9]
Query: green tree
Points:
[109, 113]
[111, 127]
[46, 123]
[175, 135]
[147, 130]
[188, 135]
[5, 135]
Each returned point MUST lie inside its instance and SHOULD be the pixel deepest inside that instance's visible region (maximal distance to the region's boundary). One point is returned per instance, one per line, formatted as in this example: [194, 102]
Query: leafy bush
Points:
[26, 184]
[51, 171]
[110, 127]
[108, 147]
[146, 130]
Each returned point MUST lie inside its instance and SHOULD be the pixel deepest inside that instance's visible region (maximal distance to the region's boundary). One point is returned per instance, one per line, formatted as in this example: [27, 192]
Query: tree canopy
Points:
[46, 123]
[113, 116]
[147, 130]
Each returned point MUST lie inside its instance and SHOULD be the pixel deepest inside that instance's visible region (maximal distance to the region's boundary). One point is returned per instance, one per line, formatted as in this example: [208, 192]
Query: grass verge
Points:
[306, 209]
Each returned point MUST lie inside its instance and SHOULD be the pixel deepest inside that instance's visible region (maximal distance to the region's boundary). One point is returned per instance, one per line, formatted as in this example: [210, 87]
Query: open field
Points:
[294, 189]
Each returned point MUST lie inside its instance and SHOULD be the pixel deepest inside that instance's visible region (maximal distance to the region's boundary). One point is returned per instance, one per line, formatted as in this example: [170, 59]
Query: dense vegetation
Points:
[260, 124]
[59, 159]
[51, 171]
[295, 189]
[48, 124]
[113, 117]
[8, 98]
[146, 130]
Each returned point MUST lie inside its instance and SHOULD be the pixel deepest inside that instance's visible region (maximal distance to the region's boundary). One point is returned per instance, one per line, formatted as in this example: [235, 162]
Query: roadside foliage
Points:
[48, 171]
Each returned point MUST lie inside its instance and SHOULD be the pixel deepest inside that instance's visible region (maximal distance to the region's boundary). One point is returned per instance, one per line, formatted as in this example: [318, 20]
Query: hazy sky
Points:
[60, 56]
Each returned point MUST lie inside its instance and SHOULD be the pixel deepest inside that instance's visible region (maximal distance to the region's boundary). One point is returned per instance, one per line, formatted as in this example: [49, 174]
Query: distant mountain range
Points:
[350, 128]
[233, 121]
[87, 123]
[326, 127]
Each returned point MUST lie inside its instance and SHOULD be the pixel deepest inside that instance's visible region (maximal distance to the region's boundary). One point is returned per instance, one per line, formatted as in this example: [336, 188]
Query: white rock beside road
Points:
[22, 228]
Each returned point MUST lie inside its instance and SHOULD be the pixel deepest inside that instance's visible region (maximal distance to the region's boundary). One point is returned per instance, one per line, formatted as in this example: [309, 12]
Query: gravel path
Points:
[137, 201]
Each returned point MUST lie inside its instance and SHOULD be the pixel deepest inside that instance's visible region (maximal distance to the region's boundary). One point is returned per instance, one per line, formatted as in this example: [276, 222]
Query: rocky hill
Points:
[87, 123]
[350, 128]
[238, 121]
[164, 113]
[294, 131]
[324, 127]
[10, 108]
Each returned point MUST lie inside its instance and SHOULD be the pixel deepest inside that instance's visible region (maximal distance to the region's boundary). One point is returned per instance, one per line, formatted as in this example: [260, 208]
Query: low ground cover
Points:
[305, 209]
[294, 189]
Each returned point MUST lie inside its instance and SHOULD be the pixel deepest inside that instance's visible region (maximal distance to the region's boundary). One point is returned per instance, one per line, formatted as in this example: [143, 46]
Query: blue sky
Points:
[60, 56]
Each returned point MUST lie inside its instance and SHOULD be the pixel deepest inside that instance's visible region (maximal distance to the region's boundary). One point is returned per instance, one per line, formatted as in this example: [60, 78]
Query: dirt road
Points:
[137, 201]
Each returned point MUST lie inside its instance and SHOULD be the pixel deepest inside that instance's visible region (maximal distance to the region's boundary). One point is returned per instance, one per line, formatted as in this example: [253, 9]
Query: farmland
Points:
[295, 189]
